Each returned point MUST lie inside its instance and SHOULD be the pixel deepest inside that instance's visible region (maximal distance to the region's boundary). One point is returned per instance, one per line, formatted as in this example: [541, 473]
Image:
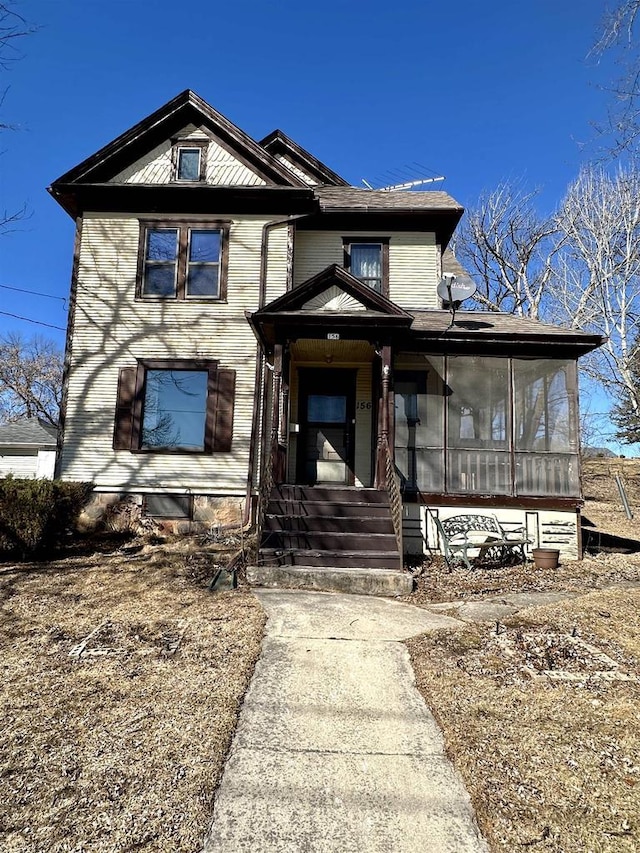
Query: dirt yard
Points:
[541, 712]
[121, 680]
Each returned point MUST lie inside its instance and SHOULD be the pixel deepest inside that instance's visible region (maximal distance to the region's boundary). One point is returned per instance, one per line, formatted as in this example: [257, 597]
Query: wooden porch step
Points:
[330, 558]
[339, 494]
[323, 540]
[346, 509]
[339, 523]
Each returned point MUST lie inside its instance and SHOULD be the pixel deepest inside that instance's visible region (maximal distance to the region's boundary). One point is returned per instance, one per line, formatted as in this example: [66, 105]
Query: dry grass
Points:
[118, 747]
[541, 715]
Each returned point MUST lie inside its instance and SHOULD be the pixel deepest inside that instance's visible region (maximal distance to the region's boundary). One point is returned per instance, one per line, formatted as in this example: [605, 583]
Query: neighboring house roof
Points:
[28, 432]
[278, 143]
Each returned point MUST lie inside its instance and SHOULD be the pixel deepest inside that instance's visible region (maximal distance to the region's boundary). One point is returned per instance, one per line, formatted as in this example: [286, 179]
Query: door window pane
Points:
[326, 409]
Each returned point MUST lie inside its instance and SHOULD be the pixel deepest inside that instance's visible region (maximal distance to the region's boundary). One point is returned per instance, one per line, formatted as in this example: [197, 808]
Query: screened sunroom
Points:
[487, 425]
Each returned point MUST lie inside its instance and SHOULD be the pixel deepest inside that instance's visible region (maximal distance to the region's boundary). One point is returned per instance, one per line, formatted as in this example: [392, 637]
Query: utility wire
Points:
[29, 320]
[32, 292]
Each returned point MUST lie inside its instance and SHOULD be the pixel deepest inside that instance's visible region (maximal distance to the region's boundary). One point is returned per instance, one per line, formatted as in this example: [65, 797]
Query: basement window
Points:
[168, 506]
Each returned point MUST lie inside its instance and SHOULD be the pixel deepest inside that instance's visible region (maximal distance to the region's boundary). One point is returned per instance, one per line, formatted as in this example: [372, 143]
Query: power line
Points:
[29, 320]
[32, 292]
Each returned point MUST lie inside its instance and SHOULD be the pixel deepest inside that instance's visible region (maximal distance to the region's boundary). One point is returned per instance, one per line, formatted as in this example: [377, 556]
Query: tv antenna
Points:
[454, 289]
[408, 178]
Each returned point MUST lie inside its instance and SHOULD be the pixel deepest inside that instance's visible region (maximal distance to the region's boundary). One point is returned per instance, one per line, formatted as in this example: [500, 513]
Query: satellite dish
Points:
[455, 288]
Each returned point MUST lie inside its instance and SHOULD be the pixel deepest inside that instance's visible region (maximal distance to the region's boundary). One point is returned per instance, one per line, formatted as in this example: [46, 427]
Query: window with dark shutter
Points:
[122, 430]
[175, 406]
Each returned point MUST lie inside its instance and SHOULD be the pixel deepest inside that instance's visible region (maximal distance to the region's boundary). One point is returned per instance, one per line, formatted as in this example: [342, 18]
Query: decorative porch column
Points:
[384, 419]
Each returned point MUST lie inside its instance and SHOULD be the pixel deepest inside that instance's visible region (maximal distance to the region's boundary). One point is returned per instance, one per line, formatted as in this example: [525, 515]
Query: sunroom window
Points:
[488, 426]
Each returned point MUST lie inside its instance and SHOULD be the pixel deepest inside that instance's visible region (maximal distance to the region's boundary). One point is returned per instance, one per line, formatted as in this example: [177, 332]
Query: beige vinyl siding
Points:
[277, 262]
[413, 262]
[311, 182]
[112, 330]
[223, 169]
[20, 463]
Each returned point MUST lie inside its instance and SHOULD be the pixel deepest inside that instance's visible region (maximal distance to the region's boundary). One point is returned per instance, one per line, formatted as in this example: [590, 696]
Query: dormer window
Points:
[367, 258]
[189, 160]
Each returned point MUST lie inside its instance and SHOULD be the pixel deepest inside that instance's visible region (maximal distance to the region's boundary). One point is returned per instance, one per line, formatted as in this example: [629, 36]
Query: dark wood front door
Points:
[327, 425]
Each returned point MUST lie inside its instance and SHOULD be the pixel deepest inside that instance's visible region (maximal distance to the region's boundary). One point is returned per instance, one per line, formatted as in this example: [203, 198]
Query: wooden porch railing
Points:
[392, 482]
[273, 472]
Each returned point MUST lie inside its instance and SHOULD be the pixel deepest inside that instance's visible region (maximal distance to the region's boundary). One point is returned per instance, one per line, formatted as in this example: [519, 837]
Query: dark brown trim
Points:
[183, 198]
[183, 228]
[383, 242]
[68, 347]
[442, 222]
[176, 145]
[186, 108]
[506, 501]
[278, 142]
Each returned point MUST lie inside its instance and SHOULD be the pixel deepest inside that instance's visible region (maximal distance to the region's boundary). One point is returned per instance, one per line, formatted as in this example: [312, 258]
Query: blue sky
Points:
[476, 91]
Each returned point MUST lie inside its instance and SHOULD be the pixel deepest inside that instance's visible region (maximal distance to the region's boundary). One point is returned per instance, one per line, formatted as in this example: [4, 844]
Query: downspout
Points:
[260, 393]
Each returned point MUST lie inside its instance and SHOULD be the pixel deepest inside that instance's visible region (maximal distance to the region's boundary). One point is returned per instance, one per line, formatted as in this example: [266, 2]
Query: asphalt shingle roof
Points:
[352, 198]
[29, 431]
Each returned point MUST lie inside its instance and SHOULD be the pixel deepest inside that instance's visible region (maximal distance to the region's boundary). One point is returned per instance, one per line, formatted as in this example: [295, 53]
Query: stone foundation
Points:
[207, 512]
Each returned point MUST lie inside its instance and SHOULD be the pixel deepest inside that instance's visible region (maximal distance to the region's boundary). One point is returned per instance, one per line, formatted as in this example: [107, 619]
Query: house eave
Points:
[76, 199]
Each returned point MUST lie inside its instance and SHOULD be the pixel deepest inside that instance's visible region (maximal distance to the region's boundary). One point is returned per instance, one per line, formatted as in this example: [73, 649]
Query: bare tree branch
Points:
[30, 379]
[618, 37]
[509, 249]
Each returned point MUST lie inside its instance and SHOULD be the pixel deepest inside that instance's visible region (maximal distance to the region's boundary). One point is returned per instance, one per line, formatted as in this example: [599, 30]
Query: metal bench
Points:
[463, 534]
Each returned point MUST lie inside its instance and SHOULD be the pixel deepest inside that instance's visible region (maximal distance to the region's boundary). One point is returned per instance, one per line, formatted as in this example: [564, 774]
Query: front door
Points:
[327, 425]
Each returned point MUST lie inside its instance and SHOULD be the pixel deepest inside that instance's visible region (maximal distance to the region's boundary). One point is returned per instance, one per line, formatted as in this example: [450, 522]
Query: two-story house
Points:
[249, 330]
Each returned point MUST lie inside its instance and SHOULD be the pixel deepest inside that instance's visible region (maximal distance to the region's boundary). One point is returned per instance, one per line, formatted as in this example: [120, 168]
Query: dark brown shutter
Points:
[221, 409]
[124, 408]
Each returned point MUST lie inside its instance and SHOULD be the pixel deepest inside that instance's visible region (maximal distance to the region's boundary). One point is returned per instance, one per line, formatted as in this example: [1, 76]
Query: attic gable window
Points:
[189, 160]
[367, 258]
[182, 261]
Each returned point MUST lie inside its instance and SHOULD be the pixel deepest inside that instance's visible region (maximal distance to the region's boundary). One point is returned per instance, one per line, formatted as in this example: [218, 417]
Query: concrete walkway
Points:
[335, 750]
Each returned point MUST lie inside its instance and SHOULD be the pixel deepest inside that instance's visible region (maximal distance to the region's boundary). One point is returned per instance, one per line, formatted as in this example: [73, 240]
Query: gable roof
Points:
[297, 299]
[186, 108]
[365, 313]
[278, 142]
[28, 432]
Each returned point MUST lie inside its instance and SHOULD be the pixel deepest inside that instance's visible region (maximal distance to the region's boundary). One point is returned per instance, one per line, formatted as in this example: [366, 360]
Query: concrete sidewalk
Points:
[335, 750]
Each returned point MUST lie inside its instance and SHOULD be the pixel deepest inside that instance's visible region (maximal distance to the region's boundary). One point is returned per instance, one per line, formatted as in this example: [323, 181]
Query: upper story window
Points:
[189, 160]
[367, 258]
[182, 261]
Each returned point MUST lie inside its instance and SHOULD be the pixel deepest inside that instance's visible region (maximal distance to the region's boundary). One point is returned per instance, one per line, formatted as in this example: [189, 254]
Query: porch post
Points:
[384, 421]
[277, 459]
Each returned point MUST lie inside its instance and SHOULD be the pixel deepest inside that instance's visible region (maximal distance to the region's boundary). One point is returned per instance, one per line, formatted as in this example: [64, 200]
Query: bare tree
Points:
[13, 27]
[619, 37]
[596, 282]
[30, 379]
[508, 248]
